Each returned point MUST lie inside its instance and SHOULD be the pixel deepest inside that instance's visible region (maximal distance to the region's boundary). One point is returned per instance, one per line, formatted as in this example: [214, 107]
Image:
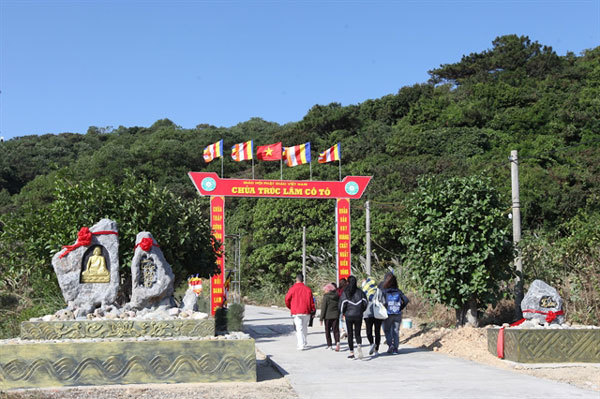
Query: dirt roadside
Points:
[471, 344]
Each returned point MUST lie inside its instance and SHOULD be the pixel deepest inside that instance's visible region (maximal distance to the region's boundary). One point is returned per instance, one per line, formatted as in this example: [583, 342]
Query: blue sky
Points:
[68, 65]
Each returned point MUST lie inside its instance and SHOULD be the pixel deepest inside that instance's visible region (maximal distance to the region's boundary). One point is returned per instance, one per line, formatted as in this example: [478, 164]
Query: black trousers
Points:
[332, 325]
[371, 322]
[353, 329]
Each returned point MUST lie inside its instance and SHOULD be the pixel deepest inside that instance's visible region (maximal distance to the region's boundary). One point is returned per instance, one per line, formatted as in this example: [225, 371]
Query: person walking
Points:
[299, 300]
[330, 312]
[340, 291]
[395, 301]
[352, 305]
[372, 324]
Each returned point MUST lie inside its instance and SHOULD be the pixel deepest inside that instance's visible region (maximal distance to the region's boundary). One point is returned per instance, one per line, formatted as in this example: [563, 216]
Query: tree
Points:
[458, 247]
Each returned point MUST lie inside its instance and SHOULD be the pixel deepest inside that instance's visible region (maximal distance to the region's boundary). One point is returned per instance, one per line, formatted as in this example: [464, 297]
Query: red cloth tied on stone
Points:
[550, 316]
[146, 244]
[84, 239]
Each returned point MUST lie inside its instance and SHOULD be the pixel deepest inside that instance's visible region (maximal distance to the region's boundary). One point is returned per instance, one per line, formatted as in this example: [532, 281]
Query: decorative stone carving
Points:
[88, 271]
[544, 299]
[151, 275]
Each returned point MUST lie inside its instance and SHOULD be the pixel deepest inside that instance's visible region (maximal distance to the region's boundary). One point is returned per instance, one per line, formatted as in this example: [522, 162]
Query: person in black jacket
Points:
[330, 312]
[352, 305]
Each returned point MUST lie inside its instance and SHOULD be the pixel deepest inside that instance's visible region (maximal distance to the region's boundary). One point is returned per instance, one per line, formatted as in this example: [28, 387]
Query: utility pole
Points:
[516, 219]
[304, 253]
[368, 236]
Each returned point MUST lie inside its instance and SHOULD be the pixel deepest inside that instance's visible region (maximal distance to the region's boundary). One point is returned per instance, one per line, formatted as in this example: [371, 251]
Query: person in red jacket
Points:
[299, 299]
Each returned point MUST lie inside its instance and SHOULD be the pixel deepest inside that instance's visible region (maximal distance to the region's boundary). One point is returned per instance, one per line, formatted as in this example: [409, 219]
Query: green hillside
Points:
[462, 123]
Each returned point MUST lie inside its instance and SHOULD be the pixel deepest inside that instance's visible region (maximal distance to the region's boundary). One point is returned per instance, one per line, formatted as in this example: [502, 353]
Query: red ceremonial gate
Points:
[210, 184]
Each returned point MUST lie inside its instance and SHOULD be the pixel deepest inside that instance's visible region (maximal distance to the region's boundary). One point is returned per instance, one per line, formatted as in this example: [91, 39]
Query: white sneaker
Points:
[359, 351]
[328, 348]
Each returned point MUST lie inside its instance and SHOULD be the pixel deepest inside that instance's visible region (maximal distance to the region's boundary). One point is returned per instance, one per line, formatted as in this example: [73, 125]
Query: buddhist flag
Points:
[213, 151]
[242, 151]
[297, 155]
[332, 154]
[271, 152]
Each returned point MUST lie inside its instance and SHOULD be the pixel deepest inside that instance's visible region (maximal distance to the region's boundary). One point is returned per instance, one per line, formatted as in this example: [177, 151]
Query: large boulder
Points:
[541, 302]
[88, 270]
[151, 275]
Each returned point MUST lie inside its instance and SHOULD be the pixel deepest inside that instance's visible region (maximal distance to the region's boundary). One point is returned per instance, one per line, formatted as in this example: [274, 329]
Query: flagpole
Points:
[340, 167]
[281, 168]
[253, 168]
[222, 166]
[310, 166]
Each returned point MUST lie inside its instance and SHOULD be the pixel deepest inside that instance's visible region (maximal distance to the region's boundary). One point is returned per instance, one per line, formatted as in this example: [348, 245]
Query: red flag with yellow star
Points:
[271, 152]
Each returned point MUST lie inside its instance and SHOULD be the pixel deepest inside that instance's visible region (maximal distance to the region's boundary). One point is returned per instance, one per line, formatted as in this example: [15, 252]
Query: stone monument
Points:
[542, 304]
[151, 275]
[88, 270]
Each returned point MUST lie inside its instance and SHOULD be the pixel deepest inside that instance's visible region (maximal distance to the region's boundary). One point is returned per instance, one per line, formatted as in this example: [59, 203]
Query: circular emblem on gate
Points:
[208, 184]
[351, 188]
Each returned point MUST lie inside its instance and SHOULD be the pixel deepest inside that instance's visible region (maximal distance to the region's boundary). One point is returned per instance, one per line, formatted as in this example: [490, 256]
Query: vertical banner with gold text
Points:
[217, 225]
[342, 235]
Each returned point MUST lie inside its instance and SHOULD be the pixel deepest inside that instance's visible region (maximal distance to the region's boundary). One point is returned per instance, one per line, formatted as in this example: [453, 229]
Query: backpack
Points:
[394, 302]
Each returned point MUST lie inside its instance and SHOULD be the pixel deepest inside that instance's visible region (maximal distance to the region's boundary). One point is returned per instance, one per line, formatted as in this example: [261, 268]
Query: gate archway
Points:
[211, 185]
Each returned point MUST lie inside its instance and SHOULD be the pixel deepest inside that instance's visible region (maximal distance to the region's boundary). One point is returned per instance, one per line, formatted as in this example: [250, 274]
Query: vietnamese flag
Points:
[271, 152]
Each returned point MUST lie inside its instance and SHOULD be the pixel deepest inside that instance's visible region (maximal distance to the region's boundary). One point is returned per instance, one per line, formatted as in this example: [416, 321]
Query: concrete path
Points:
[414, 373]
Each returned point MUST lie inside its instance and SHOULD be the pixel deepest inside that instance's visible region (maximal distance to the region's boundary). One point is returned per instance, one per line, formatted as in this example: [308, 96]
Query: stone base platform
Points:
[58, 330]
[547, 345]
[129, 361]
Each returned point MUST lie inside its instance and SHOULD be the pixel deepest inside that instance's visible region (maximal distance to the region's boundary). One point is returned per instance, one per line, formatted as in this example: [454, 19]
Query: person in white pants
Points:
[299, 299]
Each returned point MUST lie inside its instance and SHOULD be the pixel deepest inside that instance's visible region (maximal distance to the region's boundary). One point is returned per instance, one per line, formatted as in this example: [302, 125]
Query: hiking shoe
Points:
[337, 347]
[396, 352]
[372, 349]
[390, 350]
[351, 356]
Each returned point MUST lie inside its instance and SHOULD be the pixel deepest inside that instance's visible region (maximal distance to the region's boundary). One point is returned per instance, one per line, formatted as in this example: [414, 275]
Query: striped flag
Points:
[242, 151]
[332, 154]
[297, 155]
[213, 151]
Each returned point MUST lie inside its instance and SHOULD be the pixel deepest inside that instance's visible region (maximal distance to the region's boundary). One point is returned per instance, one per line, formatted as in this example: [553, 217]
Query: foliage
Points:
[458, 243]
[235, 317]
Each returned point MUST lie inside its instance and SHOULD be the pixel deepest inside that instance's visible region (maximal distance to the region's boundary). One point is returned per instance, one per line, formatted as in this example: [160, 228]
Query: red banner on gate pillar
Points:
[217, 225]
[342, 236]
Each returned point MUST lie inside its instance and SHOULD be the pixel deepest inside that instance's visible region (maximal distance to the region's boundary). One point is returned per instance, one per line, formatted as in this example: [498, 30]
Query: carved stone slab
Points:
[151, 275]
[83, 272]
[39, 365]
[547, 345]
[57, 330]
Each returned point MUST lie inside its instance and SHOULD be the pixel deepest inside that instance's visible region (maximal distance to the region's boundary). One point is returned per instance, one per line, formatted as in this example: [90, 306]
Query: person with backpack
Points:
[395, 301]
[353, 303]
[330, 312]
[372, 324]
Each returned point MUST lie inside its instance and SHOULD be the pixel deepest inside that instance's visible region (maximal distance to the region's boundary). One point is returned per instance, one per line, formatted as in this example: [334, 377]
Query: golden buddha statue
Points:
[96, 271]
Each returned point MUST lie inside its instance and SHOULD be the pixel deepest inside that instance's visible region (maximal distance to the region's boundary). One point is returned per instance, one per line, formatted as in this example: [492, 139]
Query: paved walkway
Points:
[414, 373]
